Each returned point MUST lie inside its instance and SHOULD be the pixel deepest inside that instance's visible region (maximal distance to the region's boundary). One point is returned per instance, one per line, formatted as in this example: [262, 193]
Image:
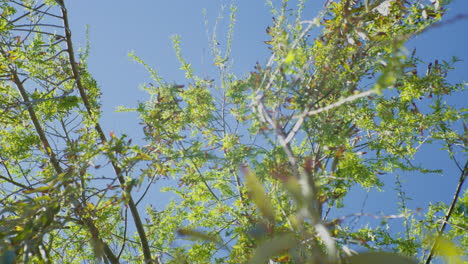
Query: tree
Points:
[255, 162]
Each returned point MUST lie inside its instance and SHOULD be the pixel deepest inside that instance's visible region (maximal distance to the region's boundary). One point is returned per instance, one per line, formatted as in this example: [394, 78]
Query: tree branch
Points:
[301, 117]
[118, 171]
[45, 142]
[461, 180]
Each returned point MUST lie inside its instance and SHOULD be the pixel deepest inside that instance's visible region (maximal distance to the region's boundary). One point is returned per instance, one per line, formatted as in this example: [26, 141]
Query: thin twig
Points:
[146, 189]
[461, 180]
[40, 24]
[125, 234]
[37, 31]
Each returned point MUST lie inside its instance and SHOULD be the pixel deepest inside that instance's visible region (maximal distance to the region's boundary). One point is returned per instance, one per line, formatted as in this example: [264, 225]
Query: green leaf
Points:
[258, 195]
[273, 247]
[198, 235]
[380, 258]
[39, 189]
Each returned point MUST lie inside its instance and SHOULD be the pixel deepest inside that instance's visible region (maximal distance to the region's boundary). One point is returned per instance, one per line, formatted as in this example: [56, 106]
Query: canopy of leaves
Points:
[255, 163]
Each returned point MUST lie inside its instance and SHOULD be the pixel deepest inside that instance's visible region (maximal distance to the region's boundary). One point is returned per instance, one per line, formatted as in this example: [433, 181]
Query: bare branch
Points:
[301, 117]
[461, 181]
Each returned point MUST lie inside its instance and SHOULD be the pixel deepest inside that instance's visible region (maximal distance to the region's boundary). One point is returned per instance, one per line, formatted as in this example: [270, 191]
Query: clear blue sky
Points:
[145, 26]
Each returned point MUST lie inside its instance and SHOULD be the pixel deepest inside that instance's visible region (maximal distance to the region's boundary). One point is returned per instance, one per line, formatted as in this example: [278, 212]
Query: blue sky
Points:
[145, 27]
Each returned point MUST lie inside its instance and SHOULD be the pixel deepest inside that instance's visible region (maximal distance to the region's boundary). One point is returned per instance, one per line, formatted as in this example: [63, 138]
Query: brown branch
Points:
[146, 189]
[95, 234]
[462, 179]
[37, 31]
[118, 171]
[25, 14]
[15, 183]
[45, 143]
[39, 24]
[125, 233]
[35, 9]
[55, 163]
